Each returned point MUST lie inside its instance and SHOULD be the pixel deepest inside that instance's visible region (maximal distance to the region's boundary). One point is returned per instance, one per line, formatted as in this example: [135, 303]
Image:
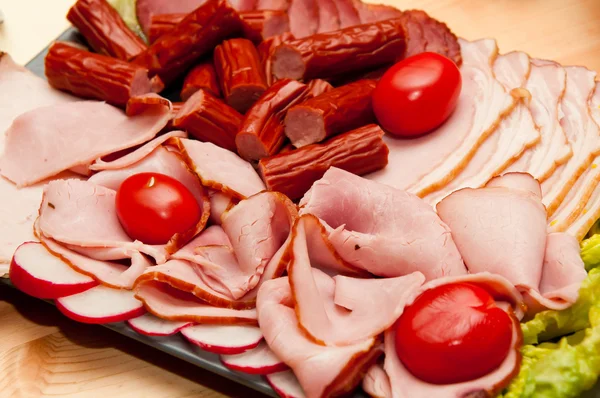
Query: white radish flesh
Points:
[224, 339]
[258, 361]
[286, 384]
[151, 325]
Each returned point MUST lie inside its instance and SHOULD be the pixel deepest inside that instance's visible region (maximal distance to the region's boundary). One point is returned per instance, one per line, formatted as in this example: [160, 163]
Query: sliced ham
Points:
[375, 12]
[432, 161]
[546, 83]
[304, 18]
[380, 229]
[146, 8]
[174, 305]
[329, 18]
[273, 4]
[581, 131]
[219, 204]
[333, 311]
[221, 169]
[22, 92]
[500, 228]
[347, 12]
[322, 371]
[562, 275]
[137, 155]
[515, 134]
[377, 383]
[48, 140]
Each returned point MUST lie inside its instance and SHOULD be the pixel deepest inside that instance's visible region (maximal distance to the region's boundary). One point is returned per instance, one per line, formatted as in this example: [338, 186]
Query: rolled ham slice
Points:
[333, 310]
[175, 305]
[322, 371]
[380, 229]
[515, 134]
[220, 169]
[377, 383]
[428, 163]
[304, 17]
[583, 135]
[19, 207]
[44, 142]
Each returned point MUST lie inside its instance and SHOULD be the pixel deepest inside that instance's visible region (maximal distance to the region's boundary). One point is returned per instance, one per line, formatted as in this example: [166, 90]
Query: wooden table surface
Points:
[43, 354]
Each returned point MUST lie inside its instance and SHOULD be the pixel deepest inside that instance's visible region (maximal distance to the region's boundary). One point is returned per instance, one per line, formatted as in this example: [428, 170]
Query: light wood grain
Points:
[42, 354]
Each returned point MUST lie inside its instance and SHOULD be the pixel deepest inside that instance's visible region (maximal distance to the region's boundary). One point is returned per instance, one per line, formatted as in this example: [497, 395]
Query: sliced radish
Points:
[101, 304]
[39, 273]
[151, 325]
[286, 384]
[224, 339]
[258, 361]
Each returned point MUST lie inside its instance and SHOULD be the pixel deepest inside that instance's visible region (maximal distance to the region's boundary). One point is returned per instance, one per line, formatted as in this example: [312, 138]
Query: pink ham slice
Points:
[138, 154]
[219, 204]
[369, 13]
[347, 12]
[382, 230]
[273, 4]
[516, 133]
[377, 383]
[174, 305]
[562, 275]
[583, 135]
[500, 228]
[146, 8]
[304, 18]
[546, 83]
[322, 371]
[428, 163]
[221, 169]
[48, 140]
[329, 18]
[333, 311]
[22, 92]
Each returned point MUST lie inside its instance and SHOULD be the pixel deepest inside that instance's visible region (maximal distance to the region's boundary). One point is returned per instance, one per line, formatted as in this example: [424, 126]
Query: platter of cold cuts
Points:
[312, 198]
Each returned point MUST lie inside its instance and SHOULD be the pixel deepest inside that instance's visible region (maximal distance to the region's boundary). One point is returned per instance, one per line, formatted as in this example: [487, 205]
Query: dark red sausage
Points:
[194, 37]
[209, 119]
[330, 54]
[342, 109]
[240, 73]
[360, 151]
[95, 76]
[265, 50]
[262, 131]
[202, 76]
[258, 24]
[104, 29]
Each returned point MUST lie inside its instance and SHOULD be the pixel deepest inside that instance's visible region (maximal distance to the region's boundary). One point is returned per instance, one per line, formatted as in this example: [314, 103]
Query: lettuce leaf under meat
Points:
[126, 8]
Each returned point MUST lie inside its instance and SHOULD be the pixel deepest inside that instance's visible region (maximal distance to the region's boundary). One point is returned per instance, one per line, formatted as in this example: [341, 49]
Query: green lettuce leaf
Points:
[126, 8]
[590, 252]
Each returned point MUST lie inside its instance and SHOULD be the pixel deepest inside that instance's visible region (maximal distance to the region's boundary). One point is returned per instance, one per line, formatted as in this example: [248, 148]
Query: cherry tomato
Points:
[153, 207]
[417, 94]
[453, 333]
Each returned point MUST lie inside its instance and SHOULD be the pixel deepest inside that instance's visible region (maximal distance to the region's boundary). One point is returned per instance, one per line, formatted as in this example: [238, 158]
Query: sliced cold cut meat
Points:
[329, 17]
[377, 383]
[348, 13]
[304, 17]
[380, 229]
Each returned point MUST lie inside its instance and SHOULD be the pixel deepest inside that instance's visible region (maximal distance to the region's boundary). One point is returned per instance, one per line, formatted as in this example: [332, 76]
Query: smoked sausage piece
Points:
[240, 73]
[95, 76]
[292, 173]
[194, 37]
[202, 76]
[161, 24]
[265, 50]
[262, 131]
[104, 29]
[209, 119]
[342, 109]
[326, 55]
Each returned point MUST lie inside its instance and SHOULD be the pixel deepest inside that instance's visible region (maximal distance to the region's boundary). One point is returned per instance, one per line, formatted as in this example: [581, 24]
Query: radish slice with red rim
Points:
[151, 325]
[258, 361]
[224, 339]
[101, 304]
[286, 384]
[39, 273]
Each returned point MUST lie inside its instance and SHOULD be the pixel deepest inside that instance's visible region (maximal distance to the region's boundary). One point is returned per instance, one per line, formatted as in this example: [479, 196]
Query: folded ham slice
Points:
[175, 305]
[516, 133]
[304, 18]
[380, 229]
[220, 169]
[428, 163]
[377, 383]
[22, 92]
[334, 311]
[48, 140]
[546, 83]
[583, 135]
[322, 371]
[348, 13]
[369, 13]
[219, 204]
[329, 17]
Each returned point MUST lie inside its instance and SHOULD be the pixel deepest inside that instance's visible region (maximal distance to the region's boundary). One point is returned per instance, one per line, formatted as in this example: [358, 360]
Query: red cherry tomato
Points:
[417, 94]
[153, 207]
[453, 333]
